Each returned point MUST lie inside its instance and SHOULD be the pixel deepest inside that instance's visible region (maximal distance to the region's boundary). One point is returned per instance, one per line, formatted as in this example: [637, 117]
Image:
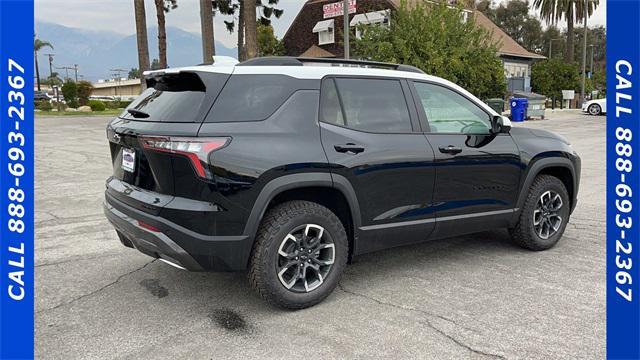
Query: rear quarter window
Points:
[253, 97]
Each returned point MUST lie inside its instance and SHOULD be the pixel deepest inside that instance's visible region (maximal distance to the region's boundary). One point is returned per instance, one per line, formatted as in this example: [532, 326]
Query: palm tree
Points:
[142, 40]
[250, 28]
[267, 9]
[206, 27]
[162, 7]
[37, 46]
[553, 11]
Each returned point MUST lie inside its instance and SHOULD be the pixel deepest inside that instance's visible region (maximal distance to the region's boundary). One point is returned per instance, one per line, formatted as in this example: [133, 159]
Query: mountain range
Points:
[97, 52]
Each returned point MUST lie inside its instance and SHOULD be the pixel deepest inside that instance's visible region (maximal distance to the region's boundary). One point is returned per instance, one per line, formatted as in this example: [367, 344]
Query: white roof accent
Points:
[370, 17]
[219, 60]
[318, 71]
[324, 25]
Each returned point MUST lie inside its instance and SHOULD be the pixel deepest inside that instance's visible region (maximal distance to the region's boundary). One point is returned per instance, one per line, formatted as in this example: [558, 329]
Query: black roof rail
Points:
[300, 61]
[271, 61]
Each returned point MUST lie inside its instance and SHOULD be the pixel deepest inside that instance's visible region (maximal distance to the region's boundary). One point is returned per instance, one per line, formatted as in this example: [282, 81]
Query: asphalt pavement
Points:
[469, 297]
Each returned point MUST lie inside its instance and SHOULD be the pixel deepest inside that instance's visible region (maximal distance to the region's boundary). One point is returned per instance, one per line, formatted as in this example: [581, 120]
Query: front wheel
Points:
[594, 109]
[544, 216]
[299, 255]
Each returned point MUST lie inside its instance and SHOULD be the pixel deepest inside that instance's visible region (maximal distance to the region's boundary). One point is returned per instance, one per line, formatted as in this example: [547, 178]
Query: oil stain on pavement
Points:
[229, 320]
[154, 287]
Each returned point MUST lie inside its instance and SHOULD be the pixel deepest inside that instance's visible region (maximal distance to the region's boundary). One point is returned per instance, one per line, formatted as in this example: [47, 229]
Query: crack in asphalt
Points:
[97, 290]
[427, 322]
[75, 259]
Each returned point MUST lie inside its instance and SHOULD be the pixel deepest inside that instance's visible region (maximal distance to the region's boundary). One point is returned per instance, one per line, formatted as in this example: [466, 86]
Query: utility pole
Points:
[66, 71]
[584, 52]
[50, 65]
[345, 10]
[117, 73]
[75, 68]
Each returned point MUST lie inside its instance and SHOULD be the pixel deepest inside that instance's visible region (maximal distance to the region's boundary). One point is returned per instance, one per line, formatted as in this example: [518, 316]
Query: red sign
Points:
[337, 9]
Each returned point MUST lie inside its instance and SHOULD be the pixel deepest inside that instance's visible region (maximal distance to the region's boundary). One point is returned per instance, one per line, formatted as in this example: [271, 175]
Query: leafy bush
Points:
[70, 93]
[125, 103]
[114, 104]
[434, 38]
[550, 77]
[117, 104]
[44, 105]
[84, 91]
[97, 105]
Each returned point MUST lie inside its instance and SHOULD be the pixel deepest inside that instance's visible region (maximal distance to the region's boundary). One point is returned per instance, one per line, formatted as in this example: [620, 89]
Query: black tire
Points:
[531, 236]
[278, 224]
[594, 109]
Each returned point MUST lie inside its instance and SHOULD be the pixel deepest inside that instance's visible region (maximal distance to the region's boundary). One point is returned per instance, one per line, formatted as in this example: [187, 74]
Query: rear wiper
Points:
[138, 113]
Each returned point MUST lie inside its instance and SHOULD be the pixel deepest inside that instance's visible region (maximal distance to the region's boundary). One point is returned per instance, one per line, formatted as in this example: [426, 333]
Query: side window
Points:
[449, 112]
[376, 105]
[251, 97]
[331, 111]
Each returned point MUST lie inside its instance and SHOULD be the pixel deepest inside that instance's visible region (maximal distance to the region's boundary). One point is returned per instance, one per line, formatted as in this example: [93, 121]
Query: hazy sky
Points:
[117, 16]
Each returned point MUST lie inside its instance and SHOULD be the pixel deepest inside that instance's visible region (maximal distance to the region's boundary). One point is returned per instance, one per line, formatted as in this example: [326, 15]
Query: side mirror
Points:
[500, 124]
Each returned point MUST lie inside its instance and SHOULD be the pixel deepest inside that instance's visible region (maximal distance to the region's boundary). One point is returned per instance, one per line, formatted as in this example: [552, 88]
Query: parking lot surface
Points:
[475, 296]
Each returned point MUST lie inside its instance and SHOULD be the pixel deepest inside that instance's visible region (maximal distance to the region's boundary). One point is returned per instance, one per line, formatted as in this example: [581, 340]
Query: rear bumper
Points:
[172, 243]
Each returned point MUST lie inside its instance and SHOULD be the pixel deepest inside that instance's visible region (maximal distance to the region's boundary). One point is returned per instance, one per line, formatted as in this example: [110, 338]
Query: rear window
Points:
[175, 98]
[252, 97]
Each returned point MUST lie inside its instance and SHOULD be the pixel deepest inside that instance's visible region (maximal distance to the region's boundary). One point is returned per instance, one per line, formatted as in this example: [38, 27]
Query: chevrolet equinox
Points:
[289, 167]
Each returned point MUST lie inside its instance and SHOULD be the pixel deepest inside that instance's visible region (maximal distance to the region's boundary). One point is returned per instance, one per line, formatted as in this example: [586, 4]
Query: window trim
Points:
[406, 91]
[424, 121]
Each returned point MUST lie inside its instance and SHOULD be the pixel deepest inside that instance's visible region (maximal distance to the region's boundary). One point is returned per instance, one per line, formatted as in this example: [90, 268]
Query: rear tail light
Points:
[196, 149]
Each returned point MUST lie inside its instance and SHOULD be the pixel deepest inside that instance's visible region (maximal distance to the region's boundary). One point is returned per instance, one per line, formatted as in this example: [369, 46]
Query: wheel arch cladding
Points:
[315, 187]
[559, 167]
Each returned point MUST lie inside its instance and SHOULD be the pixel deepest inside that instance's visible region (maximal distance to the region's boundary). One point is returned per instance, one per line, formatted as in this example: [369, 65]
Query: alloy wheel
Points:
[546, 215]
[594, 109]
[305, 258]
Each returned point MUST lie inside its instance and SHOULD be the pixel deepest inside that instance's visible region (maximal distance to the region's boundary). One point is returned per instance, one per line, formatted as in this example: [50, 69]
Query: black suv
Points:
[289, 167]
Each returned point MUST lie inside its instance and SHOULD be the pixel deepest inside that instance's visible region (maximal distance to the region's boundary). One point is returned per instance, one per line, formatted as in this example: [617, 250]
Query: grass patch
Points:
[113, 112]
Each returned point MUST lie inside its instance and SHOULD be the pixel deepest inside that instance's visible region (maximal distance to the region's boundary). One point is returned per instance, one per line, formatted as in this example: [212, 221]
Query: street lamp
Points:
[592, 46]
[551, 43]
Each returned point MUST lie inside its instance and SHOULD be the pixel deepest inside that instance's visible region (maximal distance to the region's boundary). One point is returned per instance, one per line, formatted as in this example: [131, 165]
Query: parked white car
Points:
[595, 107]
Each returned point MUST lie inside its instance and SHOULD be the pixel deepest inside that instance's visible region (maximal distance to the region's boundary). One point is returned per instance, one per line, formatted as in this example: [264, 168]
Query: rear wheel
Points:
[594, 109]
[544, 216]
[299, 256]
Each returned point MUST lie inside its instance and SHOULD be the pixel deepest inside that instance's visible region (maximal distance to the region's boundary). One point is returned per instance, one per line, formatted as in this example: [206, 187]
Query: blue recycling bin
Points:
[518, 108]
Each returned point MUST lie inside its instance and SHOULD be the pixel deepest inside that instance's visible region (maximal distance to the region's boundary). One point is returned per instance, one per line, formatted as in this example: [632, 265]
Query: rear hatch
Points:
[143, 138]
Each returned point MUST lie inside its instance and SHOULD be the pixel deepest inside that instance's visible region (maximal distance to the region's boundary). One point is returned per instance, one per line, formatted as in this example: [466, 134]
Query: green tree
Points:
[553, 42]
[70, 93]
[268, 44]
[134, 73]
[162, 8]
[550, 77]
[54, 79]
[514, 19]
[84, 90]
[266, 9]
[37, 46]
[553, 11]
[436, 40]
[155, 64]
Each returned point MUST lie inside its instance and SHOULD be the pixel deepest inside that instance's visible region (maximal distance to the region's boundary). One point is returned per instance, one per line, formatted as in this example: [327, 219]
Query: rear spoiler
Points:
[222, 64]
